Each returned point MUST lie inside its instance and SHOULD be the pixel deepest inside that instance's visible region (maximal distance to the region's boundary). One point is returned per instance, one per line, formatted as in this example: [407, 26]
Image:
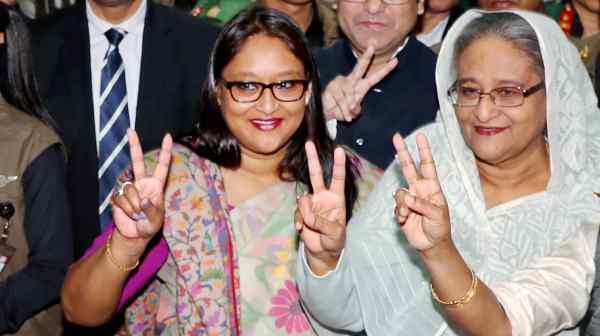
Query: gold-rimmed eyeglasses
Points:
[506, 96]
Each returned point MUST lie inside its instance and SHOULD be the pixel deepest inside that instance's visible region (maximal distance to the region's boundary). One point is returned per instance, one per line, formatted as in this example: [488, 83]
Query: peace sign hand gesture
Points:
[138, 208]
[344, 94]
[422, 209]
[321, 217]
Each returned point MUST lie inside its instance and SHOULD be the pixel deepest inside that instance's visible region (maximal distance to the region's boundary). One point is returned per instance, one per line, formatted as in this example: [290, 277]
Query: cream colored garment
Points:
[535, 252]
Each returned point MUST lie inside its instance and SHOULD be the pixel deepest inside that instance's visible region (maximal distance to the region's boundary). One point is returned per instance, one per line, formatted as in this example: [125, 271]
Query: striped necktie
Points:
[113, 149]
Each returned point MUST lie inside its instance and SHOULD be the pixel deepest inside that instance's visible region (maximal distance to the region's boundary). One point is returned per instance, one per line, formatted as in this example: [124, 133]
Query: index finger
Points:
[366, 83]
[406, 162]
[164, 159]
[338, 177]
[137, 156]
[314, 167]
[362, 65]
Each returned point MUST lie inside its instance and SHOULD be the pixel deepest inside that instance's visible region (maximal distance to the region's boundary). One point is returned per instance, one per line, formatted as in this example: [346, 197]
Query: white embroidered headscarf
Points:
[392, 285]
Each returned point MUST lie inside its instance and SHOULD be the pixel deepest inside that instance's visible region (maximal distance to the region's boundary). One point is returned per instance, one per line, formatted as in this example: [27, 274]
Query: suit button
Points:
[360, 142]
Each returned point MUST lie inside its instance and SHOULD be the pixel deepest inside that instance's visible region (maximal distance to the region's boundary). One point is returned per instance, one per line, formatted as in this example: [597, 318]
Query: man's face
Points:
[532, 5]
[375, 23]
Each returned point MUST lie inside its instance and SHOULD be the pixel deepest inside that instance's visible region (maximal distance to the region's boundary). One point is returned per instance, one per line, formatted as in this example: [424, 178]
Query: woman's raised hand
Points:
[138, 207]
[422, 209]
[321, 217]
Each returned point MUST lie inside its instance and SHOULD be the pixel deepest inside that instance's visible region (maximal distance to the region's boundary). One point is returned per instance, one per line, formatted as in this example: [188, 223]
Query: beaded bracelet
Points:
[112, 259]
[463, 300]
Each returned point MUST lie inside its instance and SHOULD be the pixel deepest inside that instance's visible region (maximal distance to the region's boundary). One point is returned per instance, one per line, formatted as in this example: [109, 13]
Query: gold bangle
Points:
[463, 300]
[112, 259]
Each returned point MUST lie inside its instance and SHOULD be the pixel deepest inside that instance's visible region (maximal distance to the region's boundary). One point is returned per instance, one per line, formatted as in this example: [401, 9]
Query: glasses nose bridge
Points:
[267, 104]
[270, 87]
[490, 94]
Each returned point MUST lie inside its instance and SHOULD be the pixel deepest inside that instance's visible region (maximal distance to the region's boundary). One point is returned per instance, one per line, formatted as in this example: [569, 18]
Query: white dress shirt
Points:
[130, 49]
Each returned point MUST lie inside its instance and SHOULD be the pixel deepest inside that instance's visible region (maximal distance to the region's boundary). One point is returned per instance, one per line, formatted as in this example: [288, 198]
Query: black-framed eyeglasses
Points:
[506, 96]
[249, 92]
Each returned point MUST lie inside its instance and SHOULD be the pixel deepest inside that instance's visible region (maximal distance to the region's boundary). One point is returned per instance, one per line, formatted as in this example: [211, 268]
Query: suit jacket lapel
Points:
[157, 53]
[77, 72]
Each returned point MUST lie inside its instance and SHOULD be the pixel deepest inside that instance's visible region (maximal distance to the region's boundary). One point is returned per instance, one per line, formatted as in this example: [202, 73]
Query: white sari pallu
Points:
[535, 252]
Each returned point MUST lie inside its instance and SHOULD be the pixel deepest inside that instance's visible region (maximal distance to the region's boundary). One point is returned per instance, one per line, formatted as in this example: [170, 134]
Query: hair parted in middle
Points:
[213, 139]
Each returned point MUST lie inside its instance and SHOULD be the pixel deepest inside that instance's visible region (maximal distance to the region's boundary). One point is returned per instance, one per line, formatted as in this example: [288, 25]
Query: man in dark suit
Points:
[150, 59]
[379, 78]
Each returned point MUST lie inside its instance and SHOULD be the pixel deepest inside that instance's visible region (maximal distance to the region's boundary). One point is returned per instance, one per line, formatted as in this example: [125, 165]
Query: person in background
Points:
[107, 65]
[433, 25]
[211, 224]
[493, 225]
[219, 10]
[531, 5]
[580, 19]
[36, 246]
[379, 78]
[317, 20]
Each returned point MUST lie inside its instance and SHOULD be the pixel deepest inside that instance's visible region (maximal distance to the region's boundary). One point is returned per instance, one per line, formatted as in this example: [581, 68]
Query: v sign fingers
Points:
[139, 208]
[365, 84]
[324, 212]
[362, 65]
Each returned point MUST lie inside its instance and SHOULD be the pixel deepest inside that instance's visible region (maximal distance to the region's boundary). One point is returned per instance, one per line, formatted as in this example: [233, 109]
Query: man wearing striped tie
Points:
[104, 66]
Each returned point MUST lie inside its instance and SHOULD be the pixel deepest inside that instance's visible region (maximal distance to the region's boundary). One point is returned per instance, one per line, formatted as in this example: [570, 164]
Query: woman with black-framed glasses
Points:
[208, 225]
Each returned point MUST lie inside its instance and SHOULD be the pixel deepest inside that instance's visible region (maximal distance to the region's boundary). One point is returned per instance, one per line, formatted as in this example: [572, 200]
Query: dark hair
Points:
[213, 139]
[17, 81]
[507, 26]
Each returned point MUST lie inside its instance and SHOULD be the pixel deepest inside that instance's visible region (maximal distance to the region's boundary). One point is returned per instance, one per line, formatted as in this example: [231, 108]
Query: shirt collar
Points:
[132, 25]
[395, 52]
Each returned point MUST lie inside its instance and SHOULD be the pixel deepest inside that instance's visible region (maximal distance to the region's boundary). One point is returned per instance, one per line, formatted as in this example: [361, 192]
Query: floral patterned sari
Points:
[229, 271]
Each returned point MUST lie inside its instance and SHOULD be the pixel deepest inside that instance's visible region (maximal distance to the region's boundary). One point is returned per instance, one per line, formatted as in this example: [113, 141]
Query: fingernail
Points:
[146, 204]
[139, 216]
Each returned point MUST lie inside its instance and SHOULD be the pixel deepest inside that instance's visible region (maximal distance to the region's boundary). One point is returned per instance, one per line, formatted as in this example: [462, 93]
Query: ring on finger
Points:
[121, 190]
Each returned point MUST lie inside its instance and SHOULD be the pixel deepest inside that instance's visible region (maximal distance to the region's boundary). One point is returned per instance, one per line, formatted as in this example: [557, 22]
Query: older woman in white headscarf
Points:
[496, 230]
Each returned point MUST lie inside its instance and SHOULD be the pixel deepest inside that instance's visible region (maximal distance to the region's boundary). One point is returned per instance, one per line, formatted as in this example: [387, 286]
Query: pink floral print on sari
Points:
[287, 310]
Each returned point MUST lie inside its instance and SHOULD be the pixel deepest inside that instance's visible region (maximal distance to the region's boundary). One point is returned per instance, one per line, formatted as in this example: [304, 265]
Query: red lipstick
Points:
[266, 124]
[489, 131]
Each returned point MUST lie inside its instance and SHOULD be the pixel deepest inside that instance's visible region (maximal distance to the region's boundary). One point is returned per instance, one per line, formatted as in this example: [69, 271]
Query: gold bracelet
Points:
[112, 259]
[463, 300]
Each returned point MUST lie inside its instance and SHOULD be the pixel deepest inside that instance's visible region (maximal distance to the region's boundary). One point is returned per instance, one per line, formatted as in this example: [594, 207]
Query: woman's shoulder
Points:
[184, 163]
[28, 134]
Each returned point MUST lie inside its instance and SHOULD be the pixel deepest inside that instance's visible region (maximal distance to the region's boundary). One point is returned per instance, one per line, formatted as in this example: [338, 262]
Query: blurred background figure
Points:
[532, 5]
[433, 25]
[35, 229]
[317, 20]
